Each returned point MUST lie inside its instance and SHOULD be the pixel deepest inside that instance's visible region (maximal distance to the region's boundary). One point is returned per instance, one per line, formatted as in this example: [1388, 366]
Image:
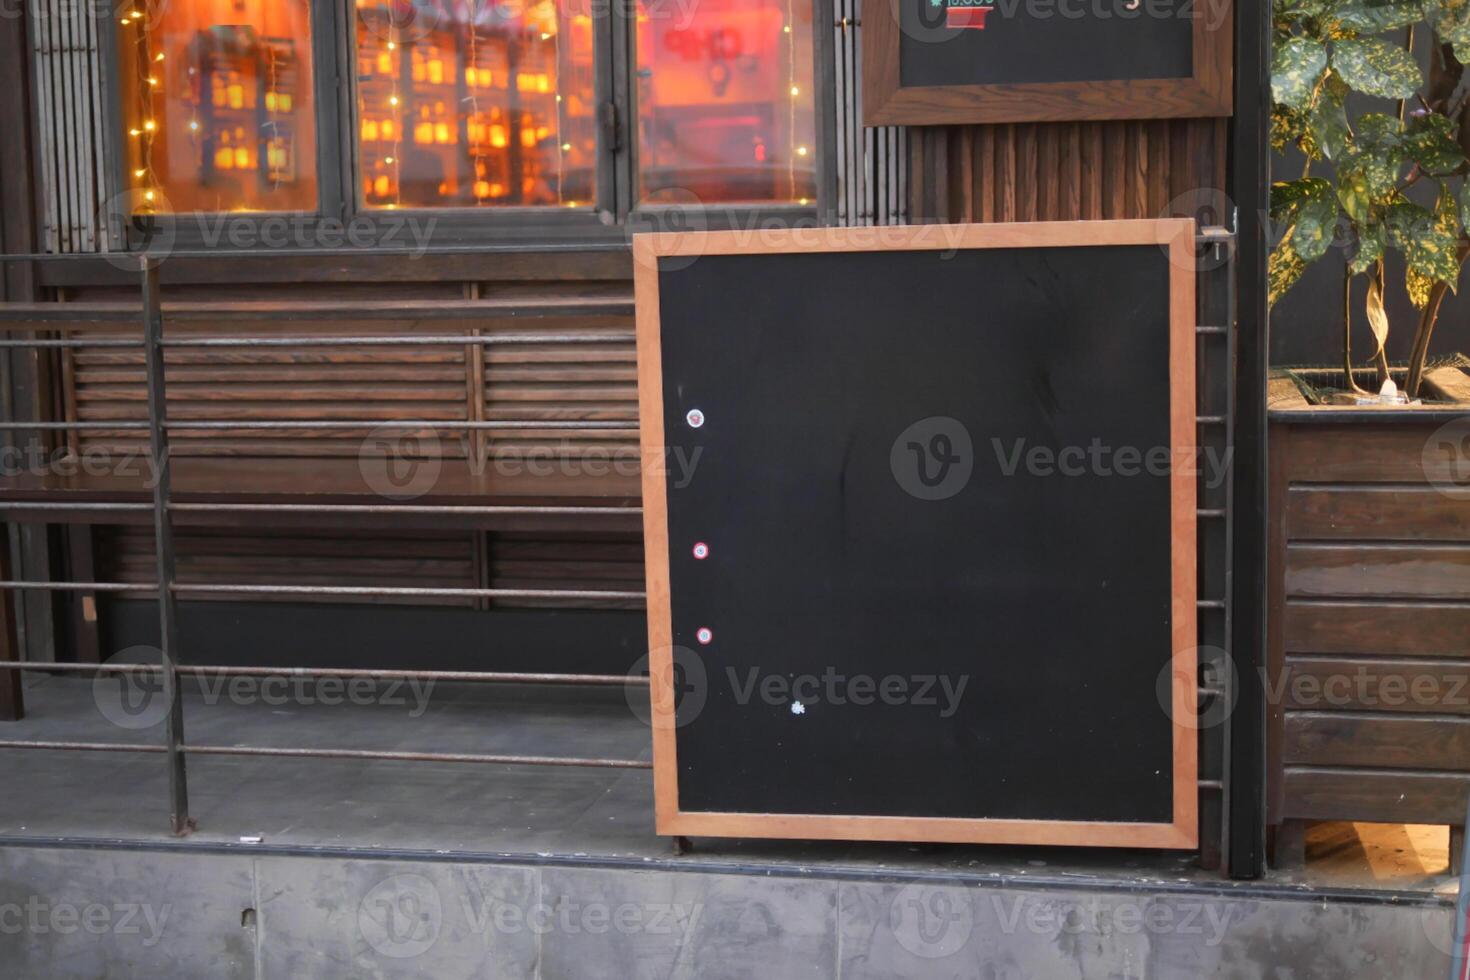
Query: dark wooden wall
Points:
[1069, 171]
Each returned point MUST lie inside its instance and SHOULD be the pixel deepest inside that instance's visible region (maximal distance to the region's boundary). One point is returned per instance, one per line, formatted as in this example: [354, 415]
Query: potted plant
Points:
[1369, 577]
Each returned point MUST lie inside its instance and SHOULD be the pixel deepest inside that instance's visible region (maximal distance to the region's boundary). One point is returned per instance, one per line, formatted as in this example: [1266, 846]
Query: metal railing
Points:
[170, 670]
[1214, 418]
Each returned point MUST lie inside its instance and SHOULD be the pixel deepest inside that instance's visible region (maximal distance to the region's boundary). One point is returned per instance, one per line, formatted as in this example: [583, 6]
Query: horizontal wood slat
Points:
[1344, 739]
[1374, 570]
[1381, 513]
[532, 382]
[1370, 454]
[589, 561]
[275, 557]
[1382, 796]
[1383, 684]
[1408, 629]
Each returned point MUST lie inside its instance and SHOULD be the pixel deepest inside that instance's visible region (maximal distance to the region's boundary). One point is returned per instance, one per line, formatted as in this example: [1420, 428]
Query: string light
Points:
[479, 186]
[396, 68]
[791, 82]
[147, 181]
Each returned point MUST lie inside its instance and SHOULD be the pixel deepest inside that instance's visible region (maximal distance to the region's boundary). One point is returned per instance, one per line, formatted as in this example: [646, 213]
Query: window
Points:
[222, 115]
[474, 104]
[471, 105]
[725, 102]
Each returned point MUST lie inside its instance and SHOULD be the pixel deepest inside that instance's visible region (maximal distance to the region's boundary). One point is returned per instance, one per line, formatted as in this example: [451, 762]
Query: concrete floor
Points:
[487, 809]
[348, 848]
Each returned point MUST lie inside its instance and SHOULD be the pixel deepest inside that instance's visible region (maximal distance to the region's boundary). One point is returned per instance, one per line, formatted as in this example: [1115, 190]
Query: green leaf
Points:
[1288, 197]
[1316, 225]
[1375, 67]
[1451, 20]
[1418, 286]
[1377, 16]
[1287, 127]
[1370, 248]
[1430, 142]
[1369, 171]
[1379, 129]
[1296, 65]
[1464, 202]
[1283, 269]
[1328, 119]
[1428, 240]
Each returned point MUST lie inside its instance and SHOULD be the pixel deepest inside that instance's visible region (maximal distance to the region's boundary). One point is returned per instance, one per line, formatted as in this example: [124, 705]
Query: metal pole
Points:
[168, 620]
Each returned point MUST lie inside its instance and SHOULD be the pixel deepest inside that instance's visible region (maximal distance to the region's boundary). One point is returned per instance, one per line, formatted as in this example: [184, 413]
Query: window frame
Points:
[614, 216]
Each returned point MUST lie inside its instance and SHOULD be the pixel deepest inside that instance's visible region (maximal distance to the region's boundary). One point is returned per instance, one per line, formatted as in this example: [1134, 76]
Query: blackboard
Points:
[989, 61]
[876, 610]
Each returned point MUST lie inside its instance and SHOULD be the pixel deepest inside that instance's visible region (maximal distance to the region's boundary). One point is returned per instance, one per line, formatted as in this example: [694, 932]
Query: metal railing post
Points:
[168, 619]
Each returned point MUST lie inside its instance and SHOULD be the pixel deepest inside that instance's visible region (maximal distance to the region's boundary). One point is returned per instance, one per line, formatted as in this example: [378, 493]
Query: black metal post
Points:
[178, 790]
[1249, 177]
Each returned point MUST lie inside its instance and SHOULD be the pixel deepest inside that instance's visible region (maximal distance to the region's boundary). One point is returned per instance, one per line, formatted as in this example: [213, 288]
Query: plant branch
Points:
[1347, 330]
[1428, 318]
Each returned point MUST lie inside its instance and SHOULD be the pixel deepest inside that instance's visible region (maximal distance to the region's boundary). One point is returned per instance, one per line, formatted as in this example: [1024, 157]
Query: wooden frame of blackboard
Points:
[1176, 237]
[1207, 92]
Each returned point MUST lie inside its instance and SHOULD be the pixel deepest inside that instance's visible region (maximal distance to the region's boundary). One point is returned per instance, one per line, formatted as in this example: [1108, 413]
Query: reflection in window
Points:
[725, 102]
[217, 102]
[463, 103]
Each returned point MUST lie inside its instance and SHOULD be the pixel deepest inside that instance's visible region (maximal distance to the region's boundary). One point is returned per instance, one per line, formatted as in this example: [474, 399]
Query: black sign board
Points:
[920, 531]
[991, 61]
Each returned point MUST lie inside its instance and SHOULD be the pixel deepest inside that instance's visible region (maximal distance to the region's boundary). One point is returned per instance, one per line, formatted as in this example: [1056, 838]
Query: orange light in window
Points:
[423, 133]
[482, 188]
[498, 138]
[387, 129]
[528, 138]
[381, 185]
[369, 131]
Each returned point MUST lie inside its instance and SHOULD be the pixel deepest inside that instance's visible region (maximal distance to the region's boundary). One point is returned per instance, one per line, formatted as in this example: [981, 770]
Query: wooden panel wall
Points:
[1369, 644]
[265, 556]
[1069, 171]
[519, 382]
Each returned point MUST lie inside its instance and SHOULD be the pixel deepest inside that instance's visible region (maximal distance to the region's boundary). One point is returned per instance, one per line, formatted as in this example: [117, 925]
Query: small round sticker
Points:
[695, 418]
[701, 550]
[704, 635]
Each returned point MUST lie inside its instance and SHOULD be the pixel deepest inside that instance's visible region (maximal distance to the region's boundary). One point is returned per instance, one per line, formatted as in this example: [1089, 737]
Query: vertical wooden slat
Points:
[1115, 172]
[1050, 182]
[985, 173]
[1026, 177]
[965, 174]
[1005, 173]
[1092, 171]
[1158, 168]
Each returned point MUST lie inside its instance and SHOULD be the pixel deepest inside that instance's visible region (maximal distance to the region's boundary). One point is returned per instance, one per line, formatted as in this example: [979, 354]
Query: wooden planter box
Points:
[1368, 650]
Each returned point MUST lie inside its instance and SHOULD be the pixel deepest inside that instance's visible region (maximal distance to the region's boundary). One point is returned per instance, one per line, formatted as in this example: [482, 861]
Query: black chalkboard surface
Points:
[1080, 41]
[990, 61]
[919, 564]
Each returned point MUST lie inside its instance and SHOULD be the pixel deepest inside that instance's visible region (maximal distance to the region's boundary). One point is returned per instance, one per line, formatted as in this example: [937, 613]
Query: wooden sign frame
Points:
[1206, 93]
[1176, 237]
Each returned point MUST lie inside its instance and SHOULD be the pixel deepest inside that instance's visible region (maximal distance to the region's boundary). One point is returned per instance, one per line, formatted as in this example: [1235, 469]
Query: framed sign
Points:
[941, 62]
[919, 512]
